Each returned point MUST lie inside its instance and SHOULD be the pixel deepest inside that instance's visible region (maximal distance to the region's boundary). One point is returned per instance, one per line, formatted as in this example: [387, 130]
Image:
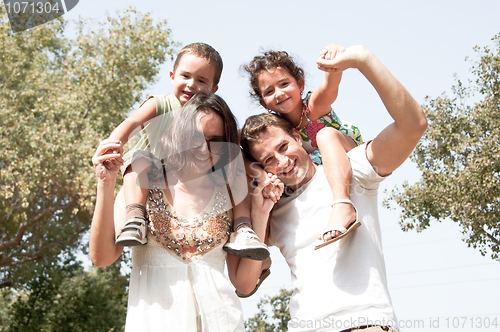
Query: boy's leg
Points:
[243, 241]
[333, 146]
[135, 188]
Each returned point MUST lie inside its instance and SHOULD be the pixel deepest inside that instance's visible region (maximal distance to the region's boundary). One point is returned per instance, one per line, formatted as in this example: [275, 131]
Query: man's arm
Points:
[244, 273]
[395, 143]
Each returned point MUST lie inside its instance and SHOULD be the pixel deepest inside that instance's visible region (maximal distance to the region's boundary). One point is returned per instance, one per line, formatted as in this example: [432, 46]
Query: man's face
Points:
[283, 155]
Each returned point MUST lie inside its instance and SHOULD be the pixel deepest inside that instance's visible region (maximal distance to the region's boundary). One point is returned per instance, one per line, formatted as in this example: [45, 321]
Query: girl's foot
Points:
[343, 219]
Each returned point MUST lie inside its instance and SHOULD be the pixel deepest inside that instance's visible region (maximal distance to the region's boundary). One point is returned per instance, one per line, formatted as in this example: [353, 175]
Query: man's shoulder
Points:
[361, 167]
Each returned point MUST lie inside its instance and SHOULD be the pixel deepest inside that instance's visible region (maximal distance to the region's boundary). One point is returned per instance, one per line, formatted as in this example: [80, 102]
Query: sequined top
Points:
[188, 239]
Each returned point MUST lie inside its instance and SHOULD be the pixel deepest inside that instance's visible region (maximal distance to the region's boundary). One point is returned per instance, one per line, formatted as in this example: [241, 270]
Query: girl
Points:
[277, 83]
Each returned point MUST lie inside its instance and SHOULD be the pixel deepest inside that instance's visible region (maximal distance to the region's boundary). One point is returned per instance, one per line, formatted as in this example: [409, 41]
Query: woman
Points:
[177, 281]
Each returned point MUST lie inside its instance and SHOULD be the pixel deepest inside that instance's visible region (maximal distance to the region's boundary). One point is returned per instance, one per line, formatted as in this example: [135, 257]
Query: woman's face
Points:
[206, 145]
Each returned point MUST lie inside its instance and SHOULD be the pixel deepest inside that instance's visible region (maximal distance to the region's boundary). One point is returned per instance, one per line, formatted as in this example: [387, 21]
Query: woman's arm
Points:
[103, 251]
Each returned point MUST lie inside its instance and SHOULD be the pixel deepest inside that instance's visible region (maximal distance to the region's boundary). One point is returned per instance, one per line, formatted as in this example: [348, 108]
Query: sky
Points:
[435, 280]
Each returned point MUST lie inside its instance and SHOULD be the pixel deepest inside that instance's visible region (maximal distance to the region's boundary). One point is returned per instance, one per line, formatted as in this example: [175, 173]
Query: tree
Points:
[58, 99]
[459, 159]
[64, 297]
[278, 322]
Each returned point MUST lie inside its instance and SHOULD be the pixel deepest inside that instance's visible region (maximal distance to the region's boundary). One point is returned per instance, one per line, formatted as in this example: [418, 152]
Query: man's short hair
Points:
[256, 125]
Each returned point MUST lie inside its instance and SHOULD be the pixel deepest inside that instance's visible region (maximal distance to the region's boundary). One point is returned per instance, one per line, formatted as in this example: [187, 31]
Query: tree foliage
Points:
[278, 322]
[64, 297]
[58, 99]
[459, 158]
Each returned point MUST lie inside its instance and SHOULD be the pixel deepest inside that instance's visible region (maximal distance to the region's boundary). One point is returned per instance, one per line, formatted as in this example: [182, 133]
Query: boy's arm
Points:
[135, 121]
[395, 143]
[325, 95]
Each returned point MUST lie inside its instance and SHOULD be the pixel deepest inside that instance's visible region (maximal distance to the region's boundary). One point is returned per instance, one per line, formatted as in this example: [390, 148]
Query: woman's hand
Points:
[107, 160]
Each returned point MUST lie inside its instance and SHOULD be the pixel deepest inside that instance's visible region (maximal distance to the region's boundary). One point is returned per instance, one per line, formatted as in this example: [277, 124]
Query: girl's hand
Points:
[107, 160]
[331, 51]
[352, 57]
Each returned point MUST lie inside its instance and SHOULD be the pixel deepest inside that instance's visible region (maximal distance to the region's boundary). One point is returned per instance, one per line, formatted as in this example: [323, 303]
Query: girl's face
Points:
[207, 143]
[280, 91]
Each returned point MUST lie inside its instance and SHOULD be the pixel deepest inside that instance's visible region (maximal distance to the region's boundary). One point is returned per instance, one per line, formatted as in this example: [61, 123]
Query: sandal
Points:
[343, 231]
[264, 274]
[133, 233]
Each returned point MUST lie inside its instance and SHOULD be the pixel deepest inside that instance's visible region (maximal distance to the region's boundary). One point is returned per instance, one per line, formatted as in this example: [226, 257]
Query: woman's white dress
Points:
[177, 282]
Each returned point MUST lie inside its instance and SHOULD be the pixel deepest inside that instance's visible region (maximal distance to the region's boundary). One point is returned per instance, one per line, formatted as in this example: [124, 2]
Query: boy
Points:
[197, 68]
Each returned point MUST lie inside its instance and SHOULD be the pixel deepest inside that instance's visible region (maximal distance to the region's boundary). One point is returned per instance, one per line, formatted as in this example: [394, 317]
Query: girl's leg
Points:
[334, 146]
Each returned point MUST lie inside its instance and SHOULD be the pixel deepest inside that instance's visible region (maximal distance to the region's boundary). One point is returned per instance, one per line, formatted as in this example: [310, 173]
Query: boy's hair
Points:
[267, 61]
[203, 51]
[255, 125]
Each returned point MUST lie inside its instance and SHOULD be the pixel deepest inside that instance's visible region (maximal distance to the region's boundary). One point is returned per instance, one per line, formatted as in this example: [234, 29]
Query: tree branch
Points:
[16, 240]
[492, 238]
[30, 257]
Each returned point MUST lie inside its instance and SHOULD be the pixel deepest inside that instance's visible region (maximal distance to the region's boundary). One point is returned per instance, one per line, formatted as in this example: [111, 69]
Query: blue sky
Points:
[436, 282]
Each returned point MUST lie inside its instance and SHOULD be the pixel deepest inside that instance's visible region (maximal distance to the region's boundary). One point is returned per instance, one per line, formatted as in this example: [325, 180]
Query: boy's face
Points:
[192, 75]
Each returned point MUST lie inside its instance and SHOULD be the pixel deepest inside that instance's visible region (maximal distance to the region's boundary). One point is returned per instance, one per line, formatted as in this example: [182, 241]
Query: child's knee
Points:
[329, 133]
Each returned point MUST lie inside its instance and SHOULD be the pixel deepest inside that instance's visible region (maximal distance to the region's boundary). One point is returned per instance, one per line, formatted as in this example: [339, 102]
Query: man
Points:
[341, 287]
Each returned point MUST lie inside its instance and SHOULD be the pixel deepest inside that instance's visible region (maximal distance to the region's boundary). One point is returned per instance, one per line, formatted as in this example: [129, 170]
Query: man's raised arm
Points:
[395, 143]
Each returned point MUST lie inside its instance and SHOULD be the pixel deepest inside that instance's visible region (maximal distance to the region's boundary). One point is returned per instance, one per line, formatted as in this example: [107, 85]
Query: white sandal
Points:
[133, 233]
[343, 231]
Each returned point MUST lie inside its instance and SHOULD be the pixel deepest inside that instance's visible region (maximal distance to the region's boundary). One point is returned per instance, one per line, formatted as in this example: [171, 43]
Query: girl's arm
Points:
[325, 95]
[135, 121]
[103, 251]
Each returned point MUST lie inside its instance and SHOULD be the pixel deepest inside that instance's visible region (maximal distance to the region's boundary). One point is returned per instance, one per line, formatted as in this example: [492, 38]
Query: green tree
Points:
[58, 99]
[278, 305]
[459, 159]
[64, 297]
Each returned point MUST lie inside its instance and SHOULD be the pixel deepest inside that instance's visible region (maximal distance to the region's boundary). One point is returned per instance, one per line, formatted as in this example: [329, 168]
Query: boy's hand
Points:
[274, 189]
[107, 159]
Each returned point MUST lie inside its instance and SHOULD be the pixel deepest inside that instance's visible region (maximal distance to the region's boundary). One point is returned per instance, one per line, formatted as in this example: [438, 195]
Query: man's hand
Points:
[352, 57]
[274, 189]
[261, 205]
